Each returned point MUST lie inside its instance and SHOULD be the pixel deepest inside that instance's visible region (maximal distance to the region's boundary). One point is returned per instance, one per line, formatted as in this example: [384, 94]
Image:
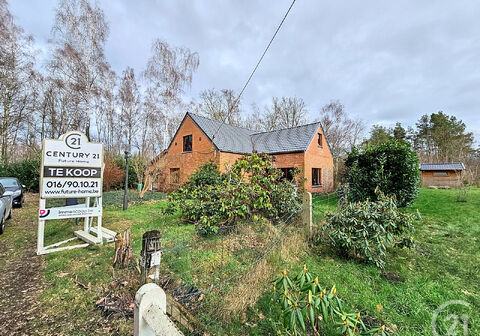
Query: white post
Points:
[86, 225]
[150, 316]
[41, 228]
[98, 202]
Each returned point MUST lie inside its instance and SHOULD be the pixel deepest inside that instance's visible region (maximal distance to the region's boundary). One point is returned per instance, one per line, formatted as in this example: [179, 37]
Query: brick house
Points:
[199, 140]
[442, 174]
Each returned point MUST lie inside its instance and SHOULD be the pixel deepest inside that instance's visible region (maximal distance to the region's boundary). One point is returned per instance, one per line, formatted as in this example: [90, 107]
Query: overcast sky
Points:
[385, 61]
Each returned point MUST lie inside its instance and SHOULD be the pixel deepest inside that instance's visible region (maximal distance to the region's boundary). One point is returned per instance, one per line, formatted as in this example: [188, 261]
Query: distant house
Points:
[199, 140]
[442, 174]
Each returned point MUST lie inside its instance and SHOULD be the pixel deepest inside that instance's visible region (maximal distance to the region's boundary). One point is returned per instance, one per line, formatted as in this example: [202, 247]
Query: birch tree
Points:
[221, 106]
[168, 73]
[285, 112]
[16, 74]
[78, 40]
[129, 104]
[341, 131]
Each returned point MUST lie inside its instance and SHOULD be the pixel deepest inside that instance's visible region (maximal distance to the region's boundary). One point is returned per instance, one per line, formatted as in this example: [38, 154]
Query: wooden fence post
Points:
[307, 212]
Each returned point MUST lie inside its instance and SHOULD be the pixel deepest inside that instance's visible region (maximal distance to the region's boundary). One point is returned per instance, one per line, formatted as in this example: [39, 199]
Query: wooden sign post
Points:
[72, 167]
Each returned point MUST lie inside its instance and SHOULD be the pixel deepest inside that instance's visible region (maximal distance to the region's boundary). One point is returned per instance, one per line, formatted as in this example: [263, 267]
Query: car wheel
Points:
[10, 214]
[21, 202]
[2, 224]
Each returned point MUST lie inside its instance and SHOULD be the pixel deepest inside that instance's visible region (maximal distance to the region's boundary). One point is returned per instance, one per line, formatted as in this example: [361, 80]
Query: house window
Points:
[287, 173]
[187, 143]
[320, 140]
[440, 174]
[316, 177]
[174, 175]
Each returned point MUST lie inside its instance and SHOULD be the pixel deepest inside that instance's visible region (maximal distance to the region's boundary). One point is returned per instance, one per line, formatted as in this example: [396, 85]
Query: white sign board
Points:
[73, 211]
[71, 167]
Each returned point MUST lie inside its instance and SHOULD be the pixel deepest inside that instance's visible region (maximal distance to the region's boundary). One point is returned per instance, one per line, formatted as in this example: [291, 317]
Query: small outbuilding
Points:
[442, 174]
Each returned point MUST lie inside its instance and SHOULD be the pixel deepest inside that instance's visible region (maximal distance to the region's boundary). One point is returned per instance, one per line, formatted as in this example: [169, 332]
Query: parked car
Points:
[5, 206]
[13, 184]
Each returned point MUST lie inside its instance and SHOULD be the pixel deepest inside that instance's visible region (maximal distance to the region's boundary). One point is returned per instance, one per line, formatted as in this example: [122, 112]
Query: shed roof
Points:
[233, 139]
[442, 166]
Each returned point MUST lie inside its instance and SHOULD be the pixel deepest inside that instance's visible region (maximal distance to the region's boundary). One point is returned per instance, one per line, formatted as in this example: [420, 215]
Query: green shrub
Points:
[307, 307]
[207, 174]
[119, 160]
[391, 166]
[365, 229]
[27, 171]
[251, 190]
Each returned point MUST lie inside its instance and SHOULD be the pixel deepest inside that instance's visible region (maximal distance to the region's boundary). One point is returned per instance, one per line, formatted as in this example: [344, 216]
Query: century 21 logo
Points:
[73, 141]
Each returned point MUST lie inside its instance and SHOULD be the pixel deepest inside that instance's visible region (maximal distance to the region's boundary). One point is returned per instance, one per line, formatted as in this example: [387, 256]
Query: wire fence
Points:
[244, 262]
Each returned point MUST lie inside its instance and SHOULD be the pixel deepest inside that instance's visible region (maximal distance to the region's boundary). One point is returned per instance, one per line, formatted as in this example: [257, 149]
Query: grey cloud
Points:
[386, 61]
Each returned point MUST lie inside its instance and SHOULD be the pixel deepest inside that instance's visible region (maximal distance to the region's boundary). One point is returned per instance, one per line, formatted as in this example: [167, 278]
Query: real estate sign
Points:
[71, 167]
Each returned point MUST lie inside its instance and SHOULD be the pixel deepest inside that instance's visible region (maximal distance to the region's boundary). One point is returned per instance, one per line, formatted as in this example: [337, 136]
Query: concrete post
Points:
[307, 212]
[150, 318]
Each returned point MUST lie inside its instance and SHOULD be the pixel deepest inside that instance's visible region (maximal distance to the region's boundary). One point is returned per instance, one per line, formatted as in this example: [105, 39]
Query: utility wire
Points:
[254, 70]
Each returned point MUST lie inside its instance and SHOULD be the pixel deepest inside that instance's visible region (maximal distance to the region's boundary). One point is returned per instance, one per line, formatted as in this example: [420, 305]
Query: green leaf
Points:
[324, 311]
[311, 316]
[300, 318]
[292, 319]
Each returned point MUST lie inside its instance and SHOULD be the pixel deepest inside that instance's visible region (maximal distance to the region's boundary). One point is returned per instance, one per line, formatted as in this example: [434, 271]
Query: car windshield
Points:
[8, 182]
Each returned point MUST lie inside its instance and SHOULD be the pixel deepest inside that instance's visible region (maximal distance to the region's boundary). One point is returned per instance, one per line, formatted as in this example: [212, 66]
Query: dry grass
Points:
[252, 286]
[247, 292]
[294, 247]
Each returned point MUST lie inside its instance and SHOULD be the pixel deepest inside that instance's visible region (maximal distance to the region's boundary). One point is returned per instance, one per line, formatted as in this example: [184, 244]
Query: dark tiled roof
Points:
[295, 139]
[442, 166]
[226, 137]
[235, 139]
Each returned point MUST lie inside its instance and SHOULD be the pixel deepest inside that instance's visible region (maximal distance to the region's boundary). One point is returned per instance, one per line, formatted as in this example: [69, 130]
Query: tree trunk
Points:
[123, 250]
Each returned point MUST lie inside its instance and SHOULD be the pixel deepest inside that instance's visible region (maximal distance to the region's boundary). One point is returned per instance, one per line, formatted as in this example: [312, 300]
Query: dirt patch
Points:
[392, 277]
[21, 279]
[371, 322]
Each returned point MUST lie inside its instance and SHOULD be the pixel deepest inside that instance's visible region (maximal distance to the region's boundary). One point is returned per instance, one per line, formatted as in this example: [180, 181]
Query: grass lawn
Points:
[445, 265]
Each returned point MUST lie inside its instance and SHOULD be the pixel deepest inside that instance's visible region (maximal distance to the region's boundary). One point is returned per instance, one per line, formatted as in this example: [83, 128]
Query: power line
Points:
[254, 69]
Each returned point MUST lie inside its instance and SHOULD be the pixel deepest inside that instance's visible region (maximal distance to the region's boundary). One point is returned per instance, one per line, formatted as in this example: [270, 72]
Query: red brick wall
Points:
[227, 159]
[290, 160]
[203, 151]
[319, 157]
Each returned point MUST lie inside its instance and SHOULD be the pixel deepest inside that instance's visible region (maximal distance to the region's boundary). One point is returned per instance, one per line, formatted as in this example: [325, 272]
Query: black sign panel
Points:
[71, 172]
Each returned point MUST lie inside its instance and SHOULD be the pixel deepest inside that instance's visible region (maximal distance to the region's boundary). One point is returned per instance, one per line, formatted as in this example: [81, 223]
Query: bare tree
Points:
[285, 113]
[106, 112]
[221, 106]
[169, 71]
[78, 39]
[255, 120]
[16, 75]
[341, 131]
[129, 103]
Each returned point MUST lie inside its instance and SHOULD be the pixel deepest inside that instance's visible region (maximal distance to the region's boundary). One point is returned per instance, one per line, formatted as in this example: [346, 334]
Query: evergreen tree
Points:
[442, 138]
[399, 132]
